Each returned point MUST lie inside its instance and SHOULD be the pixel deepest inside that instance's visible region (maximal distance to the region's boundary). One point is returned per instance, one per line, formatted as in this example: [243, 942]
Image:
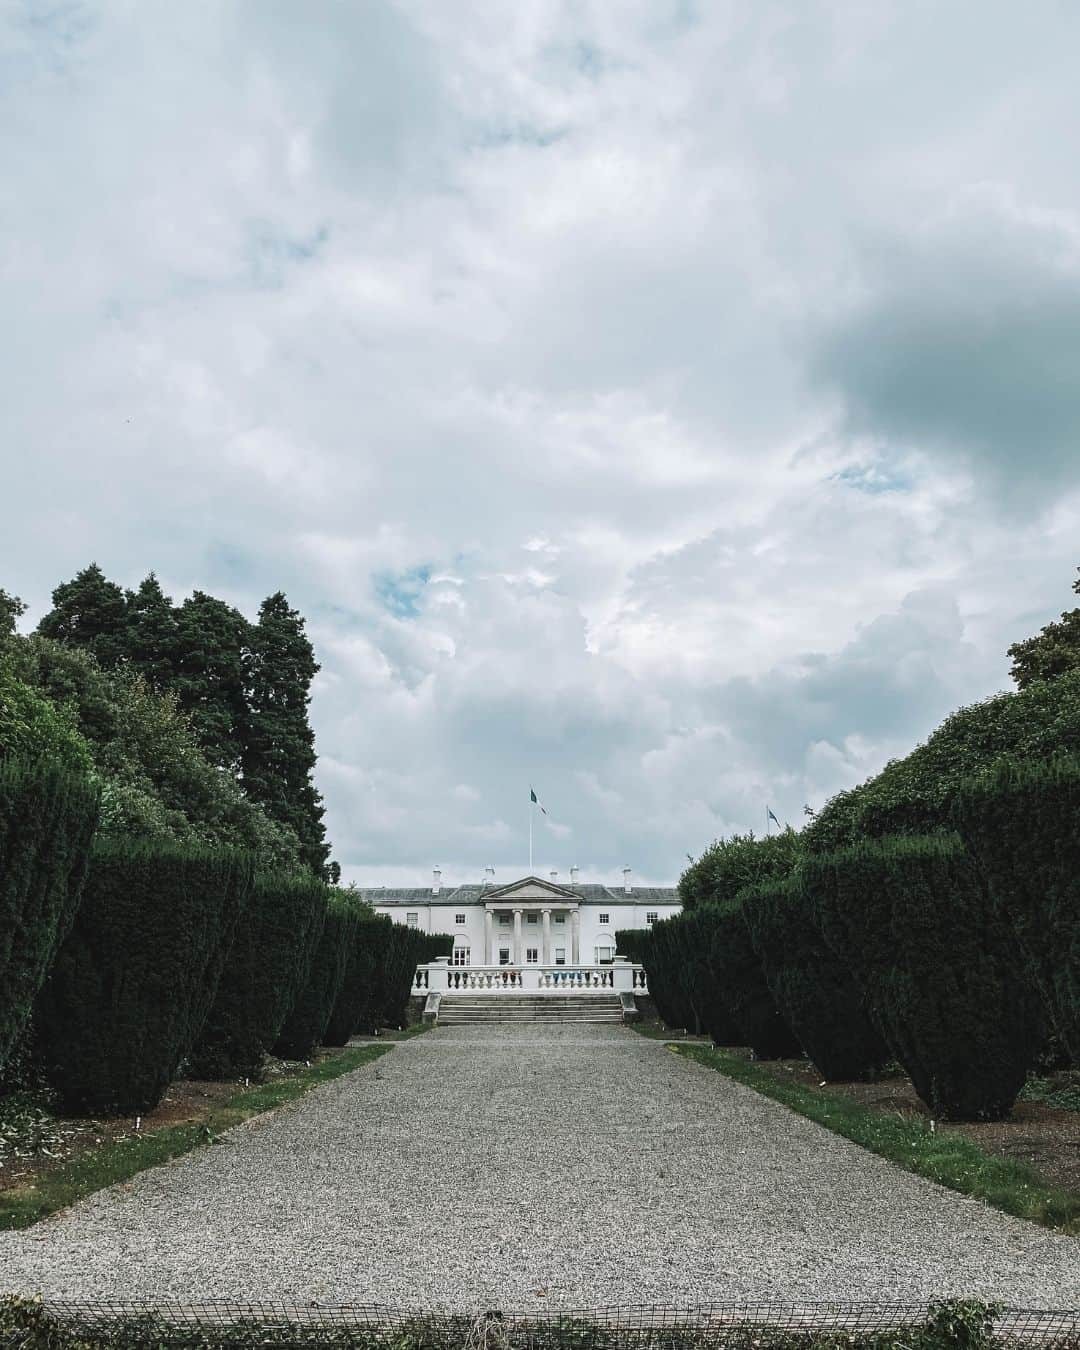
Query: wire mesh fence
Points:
[961, 1325]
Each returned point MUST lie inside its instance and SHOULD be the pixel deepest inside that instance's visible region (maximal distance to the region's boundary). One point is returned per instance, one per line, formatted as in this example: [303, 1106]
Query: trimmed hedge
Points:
[267, 967]
[47, 819]
[660, 950]
[306, 1024]
[940, 973]
[815, 991]
[393, 985]
[133, 982]
[1021, 824]
[354, 1009]
[728, 866]
[758, 1021]
[913, 795]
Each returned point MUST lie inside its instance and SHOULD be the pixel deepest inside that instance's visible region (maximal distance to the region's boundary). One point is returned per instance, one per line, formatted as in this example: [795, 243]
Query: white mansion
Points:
[530, 922]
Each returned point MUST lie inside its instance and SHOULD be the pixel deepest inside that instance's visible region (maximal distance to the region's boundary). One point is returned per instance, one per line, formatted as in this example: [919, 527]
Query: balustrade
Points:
[441, 977]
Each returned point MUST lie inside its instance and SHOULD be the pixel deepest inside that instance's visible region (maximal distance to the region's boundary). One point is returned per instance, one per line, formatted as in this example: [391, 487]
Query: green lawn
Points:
[940, 1154]
[121, 1159]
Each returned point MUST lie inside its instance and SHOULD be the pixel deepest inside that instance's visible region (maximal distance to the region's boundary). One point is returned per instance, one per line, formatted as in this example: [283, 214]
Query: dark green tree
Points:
[278, 756]
[209, 674]
[11, 609]
[152, 634]
[90, 611]
[1053, 651]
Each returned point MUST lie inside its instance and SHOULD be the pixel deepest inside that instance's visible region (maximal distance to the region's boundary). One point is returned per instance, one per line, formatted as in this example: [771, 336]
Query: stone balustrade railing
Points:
[619, 977]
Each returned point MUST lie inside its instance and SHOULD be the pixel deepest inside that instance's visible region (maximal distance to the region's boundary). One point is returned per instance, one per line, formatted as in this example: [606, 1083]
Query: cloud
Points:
[667, 405]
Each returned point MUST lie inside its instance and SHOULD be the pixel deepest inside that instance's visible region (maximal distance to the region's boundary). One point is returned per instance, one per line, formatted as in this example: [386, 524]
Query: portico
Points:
[532, 922]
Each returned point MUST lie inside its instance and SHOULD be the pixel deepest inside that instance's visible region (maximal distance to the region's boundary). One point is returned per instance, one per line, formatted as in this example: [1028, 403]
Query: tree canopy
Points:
[1053, 651]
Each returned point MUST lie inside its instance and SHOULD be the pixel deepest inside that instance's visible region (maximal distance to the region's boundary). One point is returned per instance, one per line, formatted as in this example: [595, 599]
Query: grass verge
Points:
[122, 1159]
[940, 1155]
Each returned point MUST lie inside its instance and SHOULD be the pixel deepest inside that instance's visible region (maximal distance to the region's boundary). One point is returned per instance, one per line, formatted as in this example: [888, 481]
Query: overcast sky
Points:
[673, 405]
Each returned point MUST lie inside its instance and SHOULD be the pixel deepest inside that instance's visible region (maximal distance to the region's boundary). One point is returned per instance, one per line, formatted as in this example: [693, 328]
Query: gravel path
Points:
[528, 1166]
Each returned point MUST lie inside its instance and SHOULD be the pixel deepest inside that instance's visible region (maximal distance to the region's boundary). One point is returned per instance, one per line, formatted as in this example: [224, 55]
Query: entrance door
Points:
[504, 955]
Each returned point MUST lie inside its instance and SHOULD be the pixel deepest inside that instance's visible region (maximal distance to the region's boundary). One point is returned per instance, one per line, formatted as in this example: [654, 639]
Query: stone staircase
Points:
[457, 1010]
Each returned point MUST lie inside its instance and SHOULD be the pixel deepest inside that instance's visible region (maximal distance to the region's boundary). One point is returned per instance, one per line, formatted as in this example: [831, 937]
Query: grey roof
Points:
[475, 894]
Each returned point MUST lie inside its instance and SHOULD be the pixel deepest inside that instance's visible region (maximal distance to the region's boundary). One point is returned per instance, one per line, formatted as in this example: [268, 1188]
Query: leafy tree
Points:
[278, 755]
[33, 727]
[89, 612]
[11, 609]
[1052, 652]
[151, 633]
[729, 865]
[209, 674]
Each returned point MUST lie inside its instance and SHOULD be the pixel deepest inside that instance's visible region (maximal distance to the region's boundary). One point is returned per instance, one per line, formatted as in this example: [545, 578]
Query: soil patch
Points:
[1047, 1138]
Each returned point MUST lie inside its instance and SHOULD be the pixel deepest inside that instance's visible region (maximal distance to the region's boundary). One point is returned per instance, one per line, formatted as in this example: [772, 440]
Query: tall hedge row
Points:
[267, 967]
[665, 957]
[940, 973]
[814, 989]
[47, 819]
[758, 1021]
[133, 982]
[306, 1023]
[1021, 824]
[356, 1006]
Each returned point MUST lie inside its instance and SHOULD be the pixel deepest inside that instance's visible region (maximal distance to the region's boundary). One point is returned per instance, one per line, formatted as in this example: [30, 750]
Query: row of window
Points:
[604, 956]
[412, 918]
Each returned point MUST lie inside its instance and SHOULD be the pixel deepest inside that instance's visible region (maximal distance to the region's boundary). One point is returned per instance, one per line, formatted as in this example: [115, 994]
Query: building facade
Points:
[529, 922]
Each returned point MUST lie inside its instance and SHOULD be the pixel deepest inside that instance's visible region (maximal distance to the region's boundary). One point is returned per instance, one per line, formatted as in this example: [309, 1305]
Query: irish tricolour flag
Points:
[534, 798]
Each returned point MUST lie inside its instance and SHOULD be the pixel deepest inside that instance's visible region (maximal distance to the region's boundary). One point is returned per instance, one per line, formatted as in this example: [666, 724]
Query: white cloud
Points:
[671, 406]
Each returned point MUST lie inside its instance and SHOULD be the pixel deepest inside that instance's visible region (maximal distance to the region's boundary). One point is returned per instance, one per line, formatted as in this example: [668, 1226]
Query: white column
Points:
[575, 937]
[545, 953]
[489, 955]
[517, 937]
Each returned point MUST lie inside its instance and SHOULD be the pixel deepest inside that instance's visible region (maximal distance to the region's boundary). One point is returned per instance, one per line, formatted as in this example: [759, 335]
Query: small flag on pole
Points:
[772, 817]
[534, 798]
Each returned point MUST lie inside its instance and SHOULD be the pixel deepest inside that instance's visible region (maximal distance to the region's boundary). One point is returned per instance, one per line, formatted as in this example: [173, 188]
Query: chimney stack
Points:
[436, 880]
[573, 876]
[627, 889]
[489, 876]
[554, 877]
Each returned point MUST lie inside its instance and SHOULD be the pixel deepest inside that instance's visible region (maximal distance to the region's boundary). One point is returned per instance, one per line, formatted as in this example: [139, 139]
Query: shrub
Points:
[740, 979]
[354, 1009]
[306, 1024]
[913, 795]
[135, 979]
[47, 819]
[1021, 824]
[406, 949]
[268, 965]
[814, 990]
[939, 972]
[658, 950]
[730, 865]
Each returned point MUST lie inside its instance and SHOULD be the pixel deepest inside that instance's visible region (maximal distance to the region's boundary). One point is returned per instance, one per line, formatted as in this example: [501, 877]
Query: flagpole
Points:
[530, 829]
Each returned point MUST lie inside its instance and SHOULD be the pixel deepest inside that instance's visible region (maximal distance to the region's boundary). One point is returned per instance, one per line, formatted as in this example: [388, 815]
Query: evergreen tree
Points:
[89, 611]
[209, 674]
[151, 633]
[1052, 652]
[278, 742]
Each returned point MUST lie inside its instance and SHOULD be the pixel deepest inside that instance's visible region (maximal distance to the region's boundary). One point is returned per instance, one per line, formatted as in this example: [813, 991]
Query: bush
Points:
[406, 949]
[814, 990]
[913, 795]
[306, 1024]
[677, 956]
[268, 965]
[47, 819]
[940, 974]
[133, 982]
[730, 865]
[355, 1007]
[756, 1018]
[1021, 825]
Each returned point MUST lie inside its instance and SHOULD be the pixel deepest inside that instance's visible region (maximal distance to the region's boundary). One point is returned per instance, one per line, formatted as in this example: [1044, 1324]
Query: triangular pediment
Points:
[529, 888]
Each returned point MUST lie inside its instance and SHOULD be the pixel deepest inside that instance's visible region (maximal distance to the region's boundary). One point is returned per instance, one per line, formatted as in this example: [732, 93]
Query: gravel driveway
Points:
[526, 1166]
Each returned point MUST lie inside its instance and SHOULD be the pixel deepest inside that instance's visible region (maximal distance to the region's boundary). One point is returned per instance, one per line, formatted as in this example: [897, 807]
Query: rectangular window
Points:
[605, 918]
[534, 918]
[504, 919]
[560, 956]
[504, 956]
[560, 918]
[459, 918]
[650, 917]
[604, 955]
[532, 954]
[412, 919]
[461, 956]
